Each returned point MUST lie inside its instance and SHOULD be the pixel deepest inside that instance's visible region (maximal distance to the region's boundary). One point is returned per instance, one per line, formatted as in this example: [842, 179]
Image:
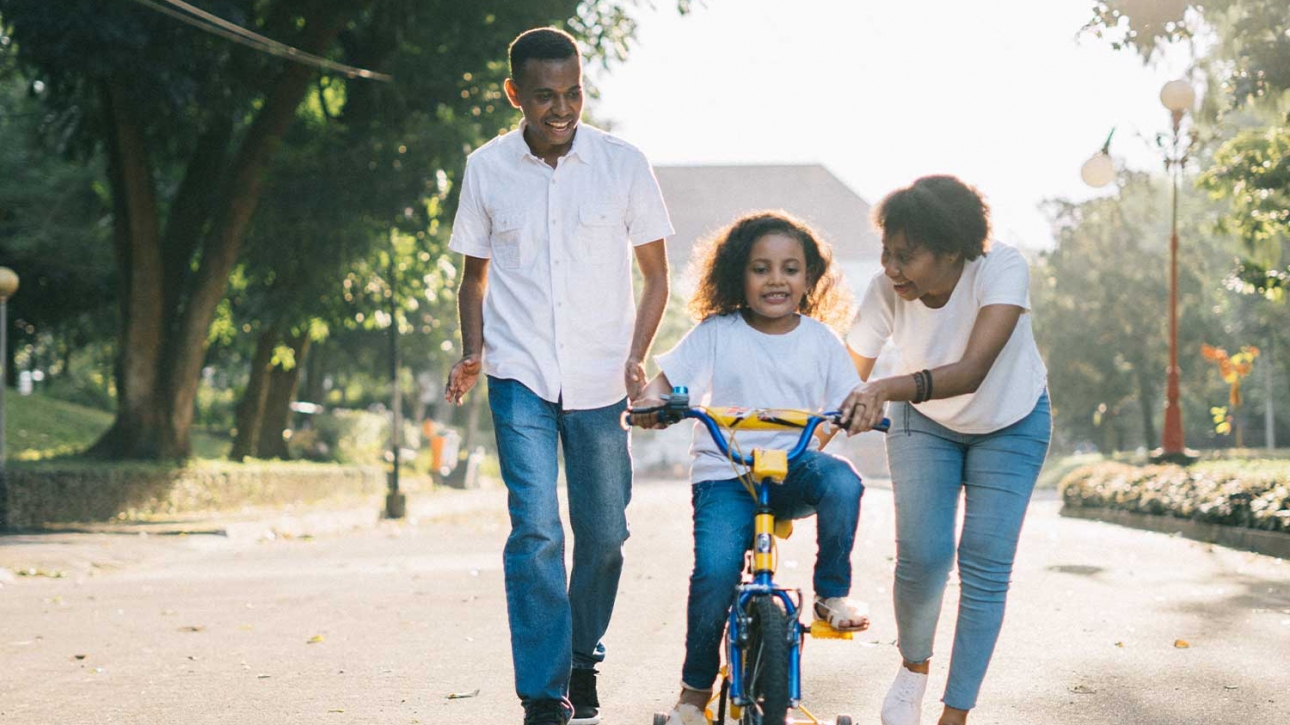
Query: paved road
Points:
[381, 624]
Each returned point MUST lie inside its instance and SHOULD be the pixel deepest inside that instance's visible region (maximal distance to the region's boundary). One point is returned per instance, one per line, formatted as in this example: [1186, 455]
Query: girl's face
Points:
[917, 272]
[774, 283]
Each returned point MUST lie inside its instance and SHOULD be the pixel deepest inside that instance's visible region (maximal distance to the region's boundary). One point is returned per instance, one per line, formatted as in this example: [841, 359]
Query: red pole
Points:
[1172, 443]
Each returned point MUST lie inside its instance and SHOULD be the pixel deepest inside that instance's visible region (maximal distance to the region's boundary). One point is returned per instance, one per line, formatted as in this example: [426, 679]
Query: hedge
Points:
[1248, 494]
[64, 492]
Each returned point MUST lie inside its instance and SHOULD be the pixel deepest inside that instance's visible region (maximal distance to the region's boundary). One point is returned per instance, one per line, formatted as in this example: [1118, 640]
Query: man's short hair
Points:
[540, 44]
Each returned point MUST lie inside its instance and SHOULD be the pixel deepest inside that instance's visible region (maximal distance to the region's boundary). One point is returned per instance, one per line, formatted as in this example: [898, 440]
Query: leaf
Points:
[462, 695]
[1181, 644]
[193, 628]
[1083, 690]
[315, 639]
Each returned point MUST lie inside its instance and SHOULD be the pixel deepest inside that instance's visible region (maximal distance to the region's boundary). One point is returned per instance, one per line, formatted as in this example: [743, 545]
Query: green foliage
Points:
[1252, 494]
[1252, 172]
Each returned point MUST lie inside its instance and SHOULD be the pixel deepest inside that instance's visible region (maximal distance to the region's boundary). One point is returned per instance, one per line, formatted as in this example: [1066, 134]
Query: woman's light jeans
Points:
[931, 466]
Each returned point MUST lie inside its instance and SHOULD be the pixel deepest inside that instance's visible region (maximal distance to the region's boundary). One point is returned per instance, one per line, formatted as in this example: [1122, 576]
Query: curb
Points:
[1268, 543]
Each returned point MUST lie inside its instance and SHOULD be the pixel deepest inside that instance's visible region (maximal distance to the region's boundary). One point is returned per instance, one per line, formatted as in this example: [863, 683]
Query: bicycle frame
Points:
[766, 467]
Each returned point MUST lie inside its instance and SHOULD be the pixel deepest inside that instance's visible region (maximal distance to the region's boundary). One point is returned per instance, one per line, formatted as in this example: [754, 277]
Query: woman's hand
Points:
[864, 407]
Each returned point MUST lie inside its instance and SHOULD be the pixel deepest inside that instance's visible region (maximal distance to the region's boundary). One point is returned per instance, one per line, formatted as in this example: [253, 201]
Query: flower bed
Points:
[1249, 494]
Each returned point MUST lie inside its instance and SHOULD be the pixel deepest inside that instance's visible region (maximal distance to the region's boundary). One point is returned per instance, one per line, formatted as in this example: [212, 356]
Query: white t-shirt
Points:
[927, 338]
[724, 362]
[559, 310]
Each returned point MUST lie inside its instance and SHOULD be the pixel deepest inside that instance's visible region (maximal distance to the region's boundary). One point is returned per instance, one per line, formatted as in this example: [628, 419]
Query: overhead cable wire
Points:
[202, 20]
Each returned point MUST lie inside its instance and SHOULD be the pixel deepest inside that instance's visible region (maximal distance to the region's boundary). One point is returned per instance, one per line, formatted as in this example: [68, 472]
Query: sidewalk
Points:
[72, 550]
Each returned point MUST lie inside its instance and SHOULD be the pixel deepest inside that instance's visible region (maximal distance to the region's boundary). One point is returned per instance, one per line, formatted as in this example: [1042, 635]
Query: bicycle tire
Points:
[765, 663]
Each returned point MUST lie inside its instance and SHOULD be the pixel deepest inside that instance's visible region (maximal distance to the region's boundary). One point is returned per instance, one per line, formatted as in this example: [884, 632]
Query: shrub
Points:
[1252, 494]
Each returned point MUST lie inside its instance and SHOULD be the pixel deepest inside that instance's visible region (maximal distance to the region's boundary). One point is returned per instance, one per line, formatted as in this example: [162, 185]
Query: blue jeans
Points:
[996, 472]
[554, 628]
[817, 483]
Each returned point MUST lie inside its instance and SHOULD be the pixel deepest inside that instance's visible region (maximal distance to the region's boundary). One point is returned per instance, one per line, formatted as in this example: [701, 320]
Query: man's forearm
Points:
[649, 313]
[470, 309]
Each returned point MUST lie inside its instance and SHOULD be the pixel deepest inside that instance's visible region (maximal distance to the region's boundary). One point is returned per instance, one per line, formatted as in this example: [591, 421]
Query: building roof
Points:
[702, 199]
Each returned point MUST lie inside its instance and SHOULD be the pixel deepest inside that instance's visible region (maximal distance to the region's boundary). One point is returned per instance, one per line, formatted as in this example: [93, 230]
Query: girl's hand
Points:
[864, 408]
[647, 420]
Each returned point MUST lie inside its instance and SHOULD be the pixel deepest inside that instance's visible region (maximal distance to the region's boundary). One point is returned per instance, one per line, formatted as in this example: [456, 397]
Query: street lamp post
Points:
[1099, 170]
[8, 285]
[396, 503]
[1177, 96]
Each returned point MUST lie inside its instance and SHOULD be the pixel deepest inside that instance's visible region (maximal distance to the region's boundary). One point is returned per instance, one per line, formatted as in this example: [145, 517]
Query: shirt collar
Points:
[583, 149]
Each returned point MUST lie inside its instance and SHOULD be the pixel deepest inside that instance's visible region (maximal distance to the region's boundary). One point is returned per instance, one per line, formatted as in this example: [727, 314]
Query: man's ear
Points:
[512, 92]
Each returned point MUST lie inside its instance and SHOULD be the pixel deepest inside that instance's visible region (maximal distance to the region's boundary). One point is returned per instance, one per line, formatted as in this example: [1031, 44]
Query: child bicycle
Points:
[761, 680]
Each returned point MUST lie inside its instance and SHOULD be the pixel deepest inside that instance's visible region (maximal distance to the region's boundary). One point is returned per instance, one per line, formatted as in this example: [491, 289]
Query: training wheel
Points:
[661, 719]
[842, 720]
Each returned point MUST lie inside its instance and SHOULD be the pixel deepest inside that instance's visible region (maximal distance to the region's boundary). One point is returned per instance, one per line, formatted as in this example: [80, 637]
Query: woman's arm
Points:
[991, 331]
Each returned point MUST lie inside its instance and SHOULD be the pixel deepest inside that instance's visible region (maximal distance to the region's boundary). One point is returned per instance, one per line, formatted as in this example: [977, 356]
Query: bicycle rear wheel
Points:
[765, 663]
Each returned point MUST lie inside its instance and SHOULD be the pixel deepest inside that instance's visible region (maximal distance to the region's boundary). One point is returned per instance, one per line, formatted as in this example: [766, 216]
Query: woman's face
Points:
[774, 281]
[918, 273]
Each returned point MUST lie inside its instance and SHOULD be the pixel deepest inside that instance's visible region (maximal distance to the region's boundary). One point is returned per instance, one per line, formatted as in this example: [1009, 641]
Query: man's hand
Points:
[633, 377]
[462, 378]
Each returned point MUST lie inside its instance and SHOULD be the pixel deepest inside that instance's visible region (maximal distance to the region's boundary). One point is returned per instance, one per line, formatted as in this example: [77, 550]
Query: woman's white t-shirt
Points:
[927, 338]
[725, 362]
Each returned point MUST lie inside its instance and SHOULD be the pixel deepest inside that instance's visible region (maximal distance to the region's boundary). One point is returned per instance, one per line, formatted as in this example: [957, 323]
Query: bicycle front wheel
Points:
[765, 663]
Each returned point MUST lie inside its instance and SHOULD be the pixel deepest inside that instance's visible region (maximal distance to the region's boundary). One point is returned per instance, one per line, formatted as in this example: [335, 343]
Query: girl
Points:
[970, 414]
[767, 287]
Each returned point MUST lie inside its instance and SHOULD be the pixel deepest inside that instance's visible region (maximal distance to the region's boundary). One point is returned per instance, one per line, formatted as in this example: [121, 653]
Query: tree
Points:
[191, 126]
[1099, 302]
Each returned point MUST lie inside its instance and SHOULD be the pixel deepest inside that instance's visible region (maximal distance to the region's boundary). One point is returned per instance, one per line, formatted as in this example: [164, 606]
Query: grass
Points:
[39, 428]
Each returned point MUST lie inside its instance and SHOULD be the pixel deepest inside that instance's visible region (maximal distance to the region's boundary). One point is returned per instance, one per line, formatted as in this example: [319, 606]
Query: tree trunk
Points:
[250, 410]
[1147, 401]
[134, 433]
[283, 384]
[160, 362]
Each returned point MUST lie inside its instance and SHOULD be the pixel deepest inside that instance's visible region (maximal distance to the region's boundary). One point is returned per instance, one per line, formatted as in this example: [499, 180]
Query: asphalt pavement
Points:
[340, 617]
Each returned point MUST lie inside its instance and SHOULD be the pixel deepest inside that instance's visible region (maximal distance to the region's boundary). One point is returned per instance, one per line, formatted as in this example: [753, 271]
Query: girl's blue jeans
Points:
[554, 625]
[995, 473]
[817, 483]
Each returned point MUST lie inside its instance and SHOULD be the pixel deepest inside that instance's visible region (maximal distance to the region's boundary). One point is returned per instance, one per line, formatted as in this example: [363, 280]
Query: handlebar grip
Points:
[884, 425]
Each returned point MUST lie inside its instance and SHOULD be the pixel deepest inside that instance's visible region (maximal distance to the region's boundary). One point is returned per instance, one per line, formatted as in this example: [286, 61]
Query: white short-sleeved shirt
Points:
[559, 309]
[725, 362]
[927, 338]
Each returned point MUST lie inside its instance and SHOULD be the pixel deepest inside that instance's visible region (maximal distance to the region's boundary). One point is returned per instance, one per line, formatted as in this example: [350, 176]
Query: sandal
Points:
[686, 714]
[839, 610]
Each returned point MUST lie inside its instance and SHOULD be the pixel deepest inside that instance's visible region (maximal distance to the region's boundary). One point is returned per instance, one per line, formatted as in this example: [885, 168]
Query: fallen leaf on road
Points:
[462, 695]
[1120, 645]
[263, 677]
[193, 628]
[315, 639]
[79, 657]
[339, 709]
[1231, 687]
[1083, 690]
[1181, 644]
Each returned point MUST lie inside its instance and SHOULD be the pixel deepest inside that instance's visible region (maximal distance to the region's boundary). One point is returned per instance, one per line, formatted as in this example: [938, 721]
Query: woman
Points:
[969, 415]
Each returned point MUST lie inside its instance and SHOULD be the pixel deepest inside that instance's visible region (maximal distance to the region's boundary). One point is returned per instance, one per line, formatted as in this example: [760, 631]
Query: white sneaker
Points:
[904, 702]
[685, 714]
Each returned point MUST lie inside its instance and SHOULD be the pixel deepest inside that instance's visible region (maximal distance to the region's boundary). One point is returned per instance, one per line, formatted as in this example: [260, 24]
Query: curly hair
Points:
[721, 260]
[940, 213]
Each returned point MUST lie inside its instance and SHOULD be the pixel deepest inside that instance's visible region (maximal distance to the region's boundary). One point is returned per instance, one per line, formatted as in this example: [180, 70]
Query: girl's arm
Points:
[991, 331]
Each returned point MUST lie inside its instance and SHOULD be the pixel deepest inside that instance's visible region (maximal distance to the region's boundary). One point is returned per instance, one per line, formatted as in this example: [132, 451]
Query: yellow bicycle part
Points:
[759, 418]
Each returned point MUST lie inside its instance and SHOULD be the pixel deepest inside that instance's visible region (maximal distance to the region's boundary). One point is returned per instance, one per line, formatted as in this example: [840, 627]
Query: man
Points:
[547, 217]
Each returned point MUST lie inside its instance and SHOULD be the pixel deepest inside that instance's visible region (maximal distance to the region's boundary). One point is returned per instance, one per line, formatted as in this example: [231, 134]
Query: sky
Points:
[1006, 94]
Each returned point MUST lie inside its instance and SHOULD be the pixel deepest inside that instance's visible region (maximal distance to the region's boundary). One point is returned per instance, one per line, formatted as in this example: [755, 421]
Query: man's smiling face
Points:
[549, 93]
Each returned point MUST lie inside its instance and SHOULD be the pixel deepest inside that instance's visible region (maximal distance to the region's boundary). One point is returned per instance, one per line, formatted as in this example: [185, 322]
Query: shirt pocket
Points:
[602, 231]
[507, 239]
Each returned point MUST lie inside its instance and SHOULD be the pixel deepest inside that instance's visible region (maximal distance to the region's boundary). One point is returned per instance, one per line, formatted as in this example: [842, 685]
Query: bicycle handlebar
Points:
[676, 407]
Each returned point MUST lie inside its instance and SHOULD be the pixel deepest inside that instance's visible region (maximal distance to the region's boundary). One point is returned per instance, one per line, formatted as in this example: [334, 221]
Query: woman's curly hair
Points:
[722, 259]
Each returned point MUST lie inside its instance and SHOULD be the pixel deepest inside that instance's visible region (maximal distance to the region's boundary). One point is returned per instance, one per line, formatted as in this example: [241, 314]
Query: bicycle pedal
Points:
[821, 629]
